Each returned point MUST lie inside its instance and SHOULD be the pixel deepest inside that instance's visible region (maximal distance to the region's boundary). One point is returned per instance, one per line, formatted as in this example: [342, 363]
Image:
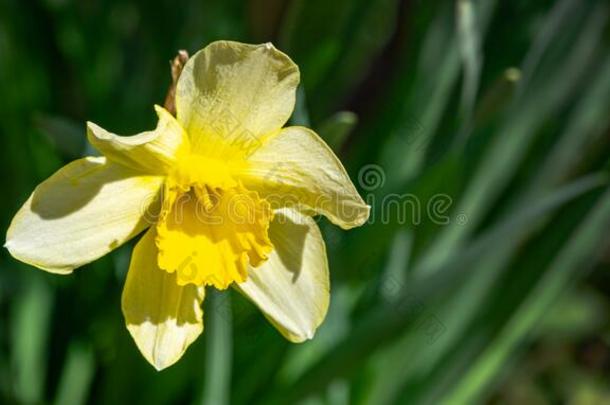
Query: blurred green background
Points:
[491, 117]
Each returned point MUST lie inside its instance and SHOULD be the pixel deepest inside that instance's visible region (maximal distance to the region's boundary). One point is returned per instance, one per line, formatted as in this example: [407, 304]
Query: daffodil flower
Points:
[227, 194]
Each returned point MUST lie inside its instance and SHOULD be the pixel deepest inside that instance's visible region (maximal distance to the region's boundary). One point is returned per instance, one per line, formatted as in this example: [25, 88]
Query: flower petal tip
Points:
[160, 365]
[302, 337]
[160, 110]
[95, 131]
[91, 125]
[155, 357]
[23, 257]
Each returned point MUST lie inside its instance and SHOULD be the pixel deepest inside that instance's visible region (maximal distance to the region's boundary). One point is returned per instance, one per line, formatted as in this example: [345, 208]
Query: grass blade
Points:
[469, 44]
[579, 253]
[29, 335]
[76, 376]
[510, 145]
[385, 324]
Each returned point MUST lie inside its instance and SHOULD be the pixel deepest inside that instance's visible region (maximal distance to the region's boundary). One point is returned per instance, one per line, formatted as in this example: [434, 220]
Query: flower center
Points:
[211, 227]
[196, 170]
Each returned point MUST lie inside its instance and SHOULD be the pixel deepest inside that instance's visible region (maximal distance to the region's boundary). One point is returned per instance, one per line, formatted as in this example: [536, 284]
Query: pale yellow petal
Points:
[292, 287]
[83, 211]
[162, 317]
[230, 95]
[297, 169]
[152, 152]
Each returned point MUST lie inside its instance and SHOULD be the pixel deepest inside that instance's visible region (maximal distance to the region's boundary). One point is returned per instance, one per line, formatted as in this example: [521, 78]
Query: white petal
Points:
[230, 95]
[297, 169]
[83, 211]
[292, 287]
[152, 152]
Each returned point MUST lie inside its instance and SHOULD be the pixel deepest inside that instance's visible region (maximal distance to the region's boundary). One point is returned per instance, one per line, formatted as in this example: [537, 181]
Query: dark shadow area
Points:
[78, 182]
[288, 238]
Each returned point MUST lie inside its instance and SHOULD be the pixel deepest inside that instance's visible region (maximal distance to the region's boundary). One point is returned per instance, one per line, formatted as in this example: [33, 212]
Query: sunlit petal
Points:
[83, 211]
[151, 152]
[292, 287]
[162, 317]
[297, 169]
[231, 95]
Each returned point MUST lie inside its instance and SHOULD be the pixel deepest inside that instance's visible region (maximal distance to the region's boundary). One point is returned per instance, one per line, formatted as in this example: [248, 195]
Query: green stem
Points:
[219, 348]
